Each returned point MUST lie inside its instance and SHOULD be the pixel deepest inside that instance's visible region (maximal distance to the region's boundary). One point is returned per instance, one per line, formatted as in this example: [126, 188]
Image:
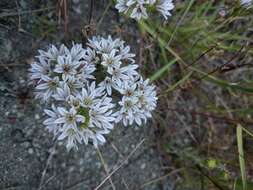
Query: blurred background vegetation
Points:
[203, 67]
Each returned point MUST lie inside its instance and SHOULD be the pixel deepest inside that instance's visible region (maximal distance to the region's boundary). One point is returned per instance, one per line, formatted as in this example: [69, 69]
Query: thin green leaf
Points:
[161, 71]
[162, 43]
[180, 21]
[241, 155]
[181, 81]
[223, 83]
[247, 131]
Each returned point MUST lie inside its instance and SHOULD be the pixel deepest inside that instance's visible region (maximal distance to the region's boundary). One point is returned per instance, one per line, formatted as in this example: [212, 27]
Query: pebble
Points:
[37, 116]
[22, 81]
[143, 166]
[30, 151]
[26, 144]
[81, 169]
[71, 169]
[63, 165]
[81, 161]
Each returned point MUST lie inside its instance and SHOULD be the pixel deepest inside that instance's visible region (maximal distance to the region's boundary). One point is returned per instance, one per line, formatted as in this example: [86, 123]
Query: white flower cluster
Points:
[138, 8]
[246, 3]
[81, 111]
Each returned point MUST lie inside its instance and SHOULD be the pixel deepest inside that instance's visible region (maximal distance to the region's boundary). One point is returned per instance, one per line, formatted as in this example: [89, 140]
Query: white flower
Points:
[151, 2]
[77, 52]
[74, 101]
[99, 117]
[138, 97]
[139, 12]
[122, 6]
[132, 2]
[62, 92]
[131, 70]
[112, 48]
[91, 56]
[102, 45]
[246, 3]
[73, 83]
[164, 6]
[129, 107]
[117, 60]
[55, 69]
[122, 117]
[107, 84]
[118, 75]
[138, 101]
[48, 87]
[73, 136]
[89, 95]
[50, 122]
[85, 72]
[70, 118]
[111, 59]
[124, 53]
[86, 113]
[138, 8]
[128, 89]
[146, 97]
[97, 137]
[66, 66]
[53, 52]
[88, 118]
[39, 69]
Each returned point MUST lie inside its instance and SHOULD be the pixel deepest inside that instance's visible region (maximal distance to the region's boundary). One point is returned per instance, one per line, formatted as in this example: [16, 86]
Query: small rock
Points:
[143, 166]
[71, 169]
[37, 116]
[81, 161]
[30, 151]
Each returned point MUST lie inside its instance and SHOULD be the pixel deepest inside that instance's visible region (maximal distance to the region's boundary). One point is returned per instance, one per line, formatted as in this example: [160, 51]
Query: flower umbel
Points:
[138, 8]
[81, 111]
[57, 67]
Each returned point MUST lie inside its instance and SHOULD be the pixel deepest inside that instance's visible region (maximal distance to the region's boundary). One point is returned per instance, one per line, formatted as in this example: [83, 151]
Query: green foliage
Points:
[241, 155]
[44, 27]
[195, 37]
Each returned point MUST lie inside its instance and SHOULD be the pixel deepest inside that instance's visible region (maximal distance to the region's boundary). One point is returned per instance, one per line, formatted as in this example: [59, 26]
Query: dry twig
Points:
[105, 167]
[121, 164]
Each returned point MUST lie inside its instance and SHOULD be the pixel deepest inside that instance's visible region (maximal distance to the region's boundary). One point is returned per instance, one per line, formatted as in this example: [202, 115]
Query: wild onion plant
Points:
[91, 89]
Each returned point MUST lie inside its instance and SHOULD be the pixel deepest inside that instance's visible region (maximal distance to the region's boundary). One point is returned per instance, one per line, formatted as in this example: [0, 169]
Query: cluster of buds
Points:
[90, 90]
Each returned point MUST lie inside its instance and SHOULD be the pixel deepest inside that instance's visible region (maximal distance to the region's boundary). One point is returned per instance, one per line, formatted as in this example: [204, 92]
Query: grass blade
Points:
[181, 81]
[146, 28]
[161, 71]
[222, 83]
[180, 21]
[247, 131]
[241, 155]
